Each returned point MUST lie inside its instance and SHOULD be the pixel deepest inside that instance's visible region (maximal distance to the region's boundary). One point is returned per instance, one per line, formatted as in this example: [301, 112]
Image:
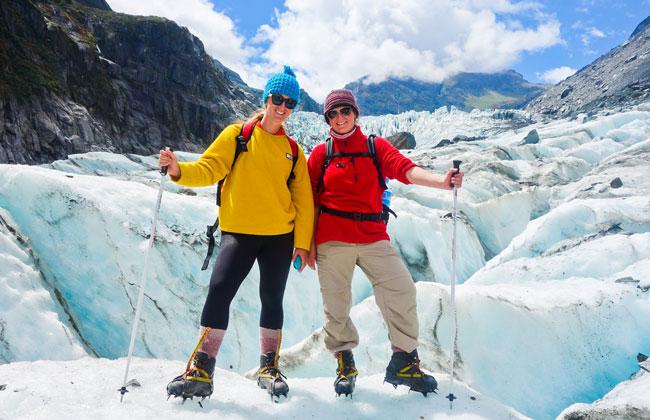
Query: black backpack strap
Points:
[386, 211]
[329, 153]
[351, 154]
[244, 136]
[373, 153]
[294, 157]
[356, 216]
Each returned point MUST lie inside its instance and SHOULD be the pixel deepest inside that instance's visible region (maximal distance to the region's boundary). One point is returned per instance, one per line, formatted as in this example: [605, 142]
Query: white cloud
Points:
[332, 42]
[596, 33]
[588, 32]
[216, 30]
[556, 75]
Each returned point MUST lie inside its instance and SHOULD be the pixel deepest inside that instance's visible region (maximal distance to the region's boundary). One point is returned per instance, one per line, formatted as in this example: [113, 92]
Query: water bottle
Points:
[385, 198]
[385, 201]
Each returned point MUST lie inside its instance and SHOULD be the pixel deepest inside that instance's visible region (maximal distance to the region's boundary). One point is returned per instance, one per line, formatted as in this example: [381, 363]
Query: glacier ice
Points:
[553, 257]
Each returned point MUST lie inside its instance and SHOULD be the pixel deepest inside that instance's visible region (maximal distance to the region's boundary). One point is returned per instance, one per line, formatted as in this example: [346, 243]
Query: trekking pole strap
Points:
[210, 234]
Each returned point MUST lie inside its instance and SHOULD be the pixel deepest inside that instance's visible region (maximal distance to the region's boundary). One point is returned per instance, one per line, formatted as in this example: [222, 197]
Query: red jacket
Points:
[352, 185]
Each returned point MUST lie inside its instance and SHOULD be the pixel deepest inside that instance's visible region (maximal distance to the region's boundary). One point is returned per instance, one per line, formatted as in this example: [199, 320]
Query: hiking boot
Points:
[346, 373]
[196, 381]
[269, 376]
[404, 369]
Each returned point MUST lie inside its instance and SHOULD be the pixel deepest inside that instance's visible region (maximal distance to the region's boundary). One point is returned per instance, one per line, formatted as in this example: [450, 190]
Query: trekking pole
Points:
[143, 282]
[451, 397]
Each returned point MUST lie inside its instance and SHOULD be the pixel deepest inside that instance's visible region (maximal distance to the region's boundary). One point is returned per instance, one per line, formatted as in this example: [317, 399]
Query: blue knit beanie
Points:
[284, 83]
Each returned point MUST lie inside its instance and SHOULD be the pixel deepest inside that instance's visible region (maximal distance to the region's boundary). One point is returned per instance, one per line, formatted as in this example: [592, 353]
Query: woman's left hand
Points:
[454, 178]
[303, 254]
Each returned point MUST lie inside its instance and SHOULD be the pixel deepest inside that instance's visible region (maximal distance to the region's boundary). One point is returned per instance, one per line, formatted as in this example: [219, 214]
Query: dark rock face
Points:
[640, 27]
[618, 79]
[457, 139]
[402, 140]
[616, 183]
[79, 78]
[465, 91]
[308, 104]
[97, 4]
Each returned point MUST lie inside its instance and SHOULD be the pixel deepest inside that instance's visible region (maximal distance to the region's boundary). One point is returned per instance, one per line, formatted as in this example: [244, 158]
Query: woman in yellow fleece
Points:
[264, 216]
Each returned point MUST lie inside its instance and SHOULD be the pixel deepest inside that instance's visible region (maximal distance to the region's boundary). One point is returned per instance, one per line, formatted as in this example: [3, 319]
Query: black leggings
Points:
[236, 256]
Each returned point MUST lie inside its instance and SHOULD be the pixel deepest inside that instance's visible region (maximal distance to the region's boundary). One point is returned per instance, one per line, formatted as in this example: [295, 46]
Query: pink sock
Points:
[269, 340]
[396, 349]
[212, 342]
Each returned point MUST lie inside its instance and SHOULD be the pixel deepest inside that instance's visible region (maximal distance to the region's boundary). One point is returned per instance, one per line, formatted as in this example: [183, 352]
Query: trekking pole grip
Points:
[163, 170]
[456, 164]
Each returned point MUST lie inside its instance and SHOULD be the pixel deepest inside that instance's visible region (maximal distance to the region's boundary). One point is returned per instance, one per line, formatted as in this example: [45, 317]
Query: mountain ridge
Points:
[617, 79]
[466, 91]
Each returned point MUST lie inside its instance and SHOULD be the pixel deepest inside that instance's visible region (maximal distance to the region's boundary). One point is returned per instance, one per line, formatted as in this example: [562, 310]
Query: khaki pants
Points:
[393, 288]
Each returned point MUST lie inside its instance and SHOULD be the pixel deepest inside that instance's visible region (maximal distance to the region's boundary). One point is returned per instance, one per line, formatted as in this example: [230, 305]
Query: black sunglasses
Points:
[346, 110]
[277, 99]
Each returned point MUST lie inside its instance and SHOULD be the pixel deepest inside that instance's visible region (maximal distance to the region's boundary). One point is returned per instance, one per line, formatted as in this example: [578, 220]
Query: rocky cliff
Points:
[616, 80]
[78, 77]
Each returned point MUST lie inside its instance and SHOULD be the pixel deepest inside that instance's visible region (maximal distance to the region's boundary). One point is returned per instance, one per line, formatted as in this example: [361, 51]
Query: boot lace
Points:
[271, 372]
[412, 369]
[346, 366]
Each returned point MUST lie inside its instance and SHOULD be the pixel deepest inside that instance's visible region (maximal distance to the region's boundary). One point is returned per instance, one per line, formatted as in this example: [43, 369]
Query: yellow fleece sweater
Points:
[255, 198]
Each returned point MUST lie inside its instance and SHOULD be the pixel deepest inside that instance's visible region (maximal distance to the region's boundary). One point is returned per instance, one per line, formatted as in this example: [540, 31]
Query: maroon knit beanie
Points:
[339, 97]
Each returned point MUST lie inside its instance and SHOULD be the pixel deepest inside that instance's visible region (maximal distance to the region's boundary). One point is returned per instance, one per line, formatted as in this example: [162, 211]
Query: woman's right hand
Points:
[168, 159]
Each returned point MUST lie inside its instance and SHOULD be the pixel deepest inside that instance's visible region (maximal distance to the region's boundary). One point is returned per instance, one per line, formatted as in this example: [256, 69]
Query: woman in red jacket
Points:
[351, 230]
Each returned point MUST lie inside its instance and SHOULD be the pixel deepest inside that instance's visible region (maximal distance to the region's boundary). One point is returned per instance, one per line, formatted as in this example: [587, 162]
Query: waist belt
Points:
[359, 217]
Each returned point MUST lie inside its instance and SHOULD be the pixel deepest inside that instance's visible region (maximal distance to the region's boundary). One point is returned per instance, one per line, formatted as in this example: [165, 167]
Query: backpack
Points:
[371, 153]
[242, 139]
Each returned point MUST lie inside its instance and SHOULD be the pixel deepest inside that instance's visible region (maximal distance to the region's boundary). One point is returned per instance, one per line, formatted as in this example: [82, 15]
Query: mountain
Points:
[465, 91]
[641, 26]
[78, 77]
[307, 103]
[618, 79]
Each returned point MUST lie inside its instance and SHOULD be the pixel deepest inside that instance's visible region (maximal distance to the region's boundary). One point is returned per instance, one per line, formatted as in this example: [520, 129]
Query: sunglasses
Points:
[277, 99]
[346, 110]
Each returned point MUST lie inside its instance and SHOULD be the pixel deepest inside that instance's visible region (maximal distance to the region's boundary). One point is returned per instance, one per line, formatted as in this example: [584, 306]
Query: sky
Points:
[330, 43]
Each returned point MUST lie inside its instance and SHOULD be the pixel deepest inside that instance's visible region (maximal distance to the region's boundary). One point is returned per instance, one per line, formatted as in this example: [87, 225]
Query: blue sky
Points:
[332, 42]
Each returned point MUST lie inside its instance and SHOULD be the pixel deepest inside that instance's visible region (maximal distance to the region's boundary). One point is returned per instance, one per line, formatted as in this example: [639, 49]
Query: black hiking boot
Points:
[269, 376]
[404, 369]
[346, 373]
[196, 381]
